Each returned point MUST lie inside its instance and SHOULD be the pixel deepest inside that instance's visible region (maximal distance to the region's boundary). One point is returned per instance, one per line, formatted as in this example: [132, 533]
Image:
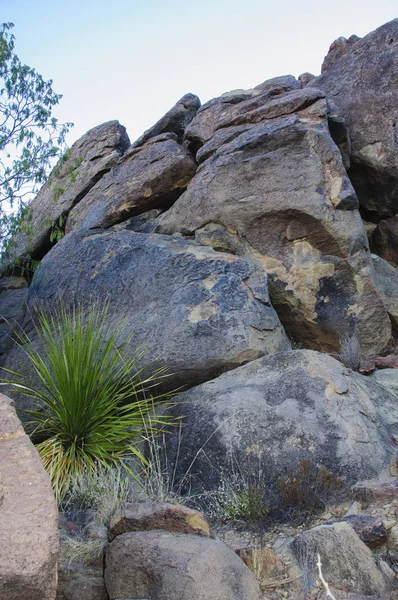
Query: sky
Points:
[131, 60]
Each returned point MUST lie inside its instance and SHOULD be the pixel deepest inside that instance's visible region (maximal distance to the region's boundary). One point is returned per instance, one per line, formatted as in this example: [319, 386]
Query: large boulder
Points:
[279, 412]
[271, 185]
[149, 177]
[347, 563]
[95, 153]
[361, 77]
[13, 297]
[176, 566]
[29, 543]
[196, 311]
[174, 121]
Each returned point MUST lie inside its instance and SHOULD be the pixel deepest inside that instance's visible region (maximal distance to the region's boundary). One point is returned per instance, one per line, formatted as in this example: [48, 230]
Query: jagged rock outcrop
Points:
[178, 566]
[279, 411]
[360, 75]
[151, 176]
[174, 121]
[13, 297]
[271, 186]
[95, 153]
[196, 311]
[29, 544]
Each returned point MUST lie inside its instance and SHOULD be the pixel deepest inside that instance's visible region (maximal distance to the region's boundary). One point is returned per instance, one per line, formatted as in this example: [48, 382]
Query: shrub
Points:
[91, 401]
[307, 488]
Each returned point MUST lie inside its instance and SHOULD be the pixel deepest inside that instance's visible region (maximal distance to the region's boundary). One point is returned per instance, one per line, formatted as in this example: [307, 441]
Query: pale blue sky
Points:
[132, 60]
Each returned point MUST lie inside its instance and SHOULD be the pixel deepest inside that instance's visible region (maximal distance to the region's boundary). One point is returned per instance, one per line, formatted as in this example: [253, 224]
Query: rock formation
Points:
[230, 238]
[360, 75]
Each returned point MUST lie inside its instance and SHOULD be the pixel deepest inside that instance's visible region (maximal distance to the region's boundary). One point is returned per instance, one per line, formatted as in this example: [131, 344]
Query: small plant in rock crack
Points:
[91, 400]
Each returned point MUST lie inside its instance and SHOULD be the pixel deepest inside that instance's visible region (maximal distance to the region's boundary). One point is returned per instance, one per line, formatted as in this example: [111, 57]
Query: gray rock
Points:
[13, 297]
[175, 566]
[87, 161]
[305, 78]
[276, 412]
[383, 489]
[196, 311]
[346, 561]
[149, 177]
[386, 278]
[384, 240]
[360, 75]
[174, 121]
[387, 378]
[337, 50]
[29, 544]
[275, 98]
[371, 530]
[279, 85]
[277, 191]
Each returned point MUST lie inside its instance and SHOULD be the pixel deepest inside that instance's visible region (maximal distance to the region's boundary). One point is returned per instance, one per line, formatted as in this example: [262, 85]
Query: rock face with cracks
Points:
[278, 411]
[271, 186]
[221, 228]
[95, 153]
[363, 82]
[196, 311]
[148, 177]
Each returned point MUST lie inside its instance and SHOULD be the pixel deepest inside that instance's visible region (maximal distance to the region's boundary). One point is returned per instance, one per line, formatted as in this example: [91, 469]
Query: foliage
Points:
[91, 402]
[247, 504]
[307, 488]
[30, 137]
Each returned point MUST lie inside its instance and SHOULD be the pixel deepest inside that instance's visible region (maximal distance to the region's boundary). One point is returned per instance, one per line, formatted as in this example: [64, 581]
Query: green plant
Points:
[247, 504]
[30, 136]
[91, 401]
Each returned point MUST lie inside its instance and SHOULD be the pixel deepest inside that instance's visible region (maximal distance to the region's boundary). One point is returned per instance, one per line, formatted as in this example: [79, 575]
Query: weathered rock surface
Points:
[274, 98]
[83, 583]
[95, 153]
[197, 311]
[383, 489]
[369, 529]
[387, 378]
[279, 411]
[337, 49]
[150, 516]
[148, 177]
[271, 185]
[384, 240]
[13, 297]
[174, 566]
[386, 278]
[174, 121]
[361, 77]
[347, 563]
[29, 544]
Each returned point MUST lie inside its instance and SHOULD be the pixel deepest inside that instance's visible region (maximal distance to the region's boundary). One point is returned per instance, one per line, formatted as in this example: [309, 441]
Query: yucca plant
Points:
[91, 401]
